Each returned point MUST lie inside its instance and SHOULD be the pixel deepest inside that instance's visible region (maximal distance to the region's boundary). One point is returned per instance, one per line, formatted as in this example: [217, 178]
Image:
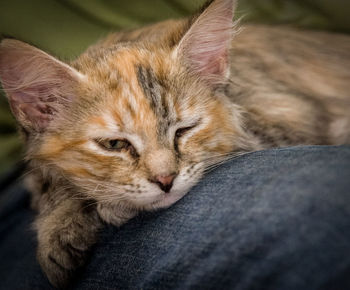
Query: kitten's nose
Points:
[164, 182]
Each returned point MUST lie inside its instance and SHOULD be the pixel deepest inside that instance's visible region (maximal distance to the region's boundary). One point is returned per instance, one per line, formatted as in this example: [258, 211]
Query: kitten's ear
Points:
[37, 85]
[205, 46]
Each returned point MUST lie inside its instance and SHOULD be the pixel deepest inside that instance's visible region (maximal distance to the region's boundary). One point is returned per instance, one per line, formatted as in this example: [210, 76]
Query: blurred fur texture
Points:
[184, 96]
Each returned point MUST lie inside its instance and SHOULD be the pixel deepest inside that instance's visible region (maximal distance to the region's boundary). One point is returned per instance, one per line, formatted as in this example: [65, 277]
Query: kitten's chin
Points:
[179, 190]
[165, 200]
[119, 213]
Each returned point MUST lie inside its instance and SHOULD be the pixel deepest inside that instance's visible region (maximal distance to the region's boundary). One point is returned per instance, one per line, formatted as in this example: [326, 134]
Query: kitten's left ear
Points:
[205, 46]
[38, 86]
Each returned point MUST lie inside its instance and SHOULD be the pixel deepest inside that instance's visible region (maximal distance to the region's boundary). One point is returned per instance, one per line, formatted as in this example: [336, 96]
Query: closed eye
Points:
[179, 133]
[182, 131]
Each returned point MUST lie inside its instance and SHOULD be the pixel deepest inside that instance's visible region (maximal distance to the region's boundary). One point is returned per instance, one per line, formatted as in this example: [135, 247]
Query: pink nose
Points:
[164, 182]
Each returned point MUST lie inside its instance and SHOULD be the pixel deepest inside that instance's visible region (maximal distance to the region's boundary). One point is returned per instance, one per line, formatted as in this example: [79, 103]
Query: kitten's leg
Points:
[65, 234]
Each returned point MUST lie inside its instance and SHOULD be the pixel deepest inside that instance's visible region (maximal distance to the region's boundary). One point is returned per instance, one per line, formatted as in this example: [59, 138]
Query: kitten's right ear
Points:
[38, 86]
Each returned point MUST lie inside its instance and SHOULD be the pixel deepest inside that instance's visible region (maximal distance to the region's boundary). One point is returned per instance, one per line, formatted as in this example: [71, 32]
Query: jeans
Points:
[273, 219]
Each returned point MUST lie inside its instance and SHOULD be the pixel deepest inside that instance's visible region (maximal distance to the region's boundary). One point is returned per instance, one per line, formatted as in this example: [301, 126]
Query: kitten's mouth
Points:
[166, 199]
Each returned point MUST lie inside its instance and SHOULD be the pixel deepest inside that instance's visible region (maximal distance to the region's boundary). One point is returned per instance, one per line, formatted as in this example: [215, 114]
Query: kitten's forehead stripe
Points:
[155, 93]
[149, 85]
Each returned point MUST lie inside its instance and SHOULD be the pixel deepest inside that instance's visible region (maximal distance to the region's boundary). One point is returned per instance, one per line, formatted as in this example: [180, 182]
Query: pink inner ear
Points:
[37, 112]
[206, 45]
[36, 84]
[210, 56]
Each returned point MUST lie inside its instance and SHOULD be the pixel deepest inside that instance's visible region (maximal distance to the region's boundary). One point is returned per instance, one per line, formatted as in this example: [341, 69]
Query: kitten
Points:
[136, 120]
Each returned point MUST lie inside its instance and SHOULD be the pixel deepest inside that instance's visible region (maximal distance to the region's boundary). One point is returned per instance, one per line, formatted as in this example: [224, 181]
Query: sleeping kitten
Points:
[135, 121]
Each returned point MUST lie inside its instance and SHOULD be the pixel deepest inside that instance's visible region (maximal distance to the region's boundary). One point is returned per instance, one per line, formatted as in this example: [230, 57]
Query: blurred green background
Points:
[66, 27]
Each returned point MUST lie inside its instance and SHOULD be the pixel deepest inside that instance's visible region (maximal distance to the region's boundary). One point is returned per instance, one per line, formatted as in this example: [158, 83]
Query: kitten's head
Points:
[137, 122]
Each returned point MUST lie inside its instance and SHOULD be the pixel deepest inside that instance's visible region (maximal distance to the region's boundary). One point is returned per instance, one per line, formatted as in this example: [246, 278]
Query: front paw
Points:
[64, 240]
[60, 255]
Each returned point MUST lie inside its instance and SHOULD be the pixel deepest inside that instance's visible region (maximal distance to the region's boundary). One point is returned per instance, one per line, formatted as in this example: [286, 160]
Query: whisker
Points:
[229, 157]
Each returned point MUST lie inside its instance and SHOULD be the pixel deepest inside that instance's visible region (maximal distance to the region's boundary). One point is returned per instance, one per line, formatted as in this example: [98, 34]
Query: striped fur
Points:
[184, 95]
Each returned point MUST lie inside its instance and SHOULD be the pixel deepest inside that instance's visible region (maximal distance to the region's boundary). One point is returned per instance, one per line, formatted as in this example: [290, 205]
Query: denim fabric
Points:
[274, 219]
